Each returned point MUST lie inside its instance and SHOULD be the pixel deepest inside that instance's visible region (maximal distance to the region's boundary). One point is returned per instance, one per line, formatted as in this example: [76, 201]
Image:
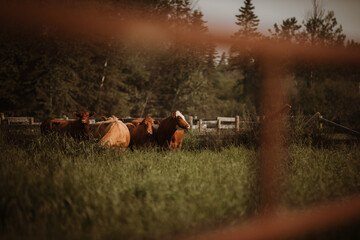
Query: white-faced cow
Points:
[167, 135]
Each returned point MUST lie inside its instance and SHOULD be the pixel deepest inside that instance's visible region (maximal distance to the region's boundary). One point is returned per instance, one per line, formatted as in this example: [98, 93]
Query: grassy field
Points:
[55, 188]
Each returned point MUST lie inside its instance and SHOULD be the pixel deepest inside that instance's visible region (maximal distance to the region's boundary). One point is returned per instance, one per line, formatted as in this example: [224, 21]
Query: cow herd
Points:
[114, 133]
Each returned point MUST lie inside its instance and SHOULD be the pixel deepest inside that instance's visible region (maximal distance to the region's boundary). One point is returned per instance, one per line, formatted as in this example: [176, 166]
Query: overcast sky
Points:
[221, 13]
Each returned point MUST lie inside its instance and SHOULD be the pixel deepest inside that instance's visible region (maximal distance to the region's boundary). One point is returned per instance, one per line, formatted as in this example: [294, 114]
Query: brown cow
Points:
[141, 132]
[113, 133]
[167, 129]
[77, 129]
[176, 140]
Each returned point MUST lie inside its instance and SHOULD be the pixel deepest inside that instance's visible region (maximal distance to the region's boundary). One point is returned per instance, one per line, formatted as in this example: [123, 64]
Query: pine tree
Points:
[247, 21]
[289, 30]
[243, 59]
[240, 56]
[321, 28]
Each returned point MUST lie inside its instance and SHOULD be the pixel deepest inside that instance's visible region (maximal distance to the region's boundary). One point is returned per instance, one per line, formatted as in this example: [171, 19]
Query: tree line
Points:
[332, 90]
[45, 74]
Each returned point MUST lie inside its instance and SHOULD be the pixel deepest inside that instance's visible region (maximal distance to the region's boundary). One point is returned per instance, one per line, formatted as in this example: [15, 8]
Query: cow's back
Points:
[73, 128]
[114, 134]
[102, 128]
[59, 126]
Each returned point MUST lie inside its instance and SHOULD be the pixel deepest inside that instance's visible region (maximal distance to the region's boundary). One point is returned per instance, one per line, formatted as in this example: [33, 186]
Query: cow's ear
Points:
[104, 118]
[92, 114]
[173, 115]
[156, 122]
[143, 121]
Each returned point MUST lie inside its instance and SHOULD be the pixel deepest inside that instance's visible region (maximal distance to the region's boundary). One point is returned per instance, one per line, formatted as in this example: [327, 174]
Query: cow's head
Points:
[84, 116]
[180, 120]
[149, 122]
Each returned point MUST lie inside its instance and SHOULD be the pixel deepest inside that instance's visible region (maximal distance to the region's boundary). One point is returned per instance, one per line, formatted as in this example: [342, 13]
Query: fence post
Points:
[31, 120]
[320, 122]
[200, 125]
[218, 126]
[237, 123]
[191, 120]
[2, 118]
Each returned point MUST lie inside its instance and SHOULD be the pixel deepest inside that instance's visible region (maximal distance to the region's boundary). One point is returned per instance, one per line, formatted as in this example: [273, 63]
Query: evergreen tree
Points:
[240, 56]
[247, 21]
[289, 30]
[243, 59]
[321, 28]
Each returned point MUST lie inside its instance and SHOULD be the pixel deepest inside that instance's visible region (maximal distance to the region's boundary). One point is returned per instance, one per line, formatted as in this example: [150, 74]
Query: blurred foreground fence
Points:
[270, 224]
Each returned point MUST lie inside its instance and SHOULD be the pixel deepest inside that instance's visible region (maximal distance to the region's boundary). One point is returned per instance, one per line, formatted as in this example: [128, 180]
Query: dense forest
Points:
[45, 74]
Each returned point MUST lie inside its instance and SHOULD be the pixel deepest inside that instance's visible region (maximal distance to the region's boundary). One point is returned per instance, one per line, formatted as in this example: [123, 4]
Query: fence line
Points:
[204, 125]
[209, 125]
[339, 126]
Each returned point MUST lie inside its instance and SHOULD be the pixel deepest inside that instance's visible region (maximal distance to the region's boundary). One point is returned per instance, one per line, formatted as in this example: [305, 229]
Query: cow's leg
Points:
[172, 144]
[180, 145]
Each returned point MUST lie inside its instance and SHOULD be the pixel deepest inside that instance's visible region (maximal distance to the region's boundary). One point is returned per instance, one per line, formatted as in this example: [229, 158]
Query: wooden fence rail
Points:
[318, 120]
[18, 120]
[202, 125]
[220, 123]
[339, 127]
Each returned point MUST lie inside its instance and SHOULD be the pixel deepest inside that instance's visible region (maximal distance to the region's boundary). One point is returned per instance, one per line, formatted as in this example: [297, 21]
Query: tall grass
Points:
[56, 188]
[312, 175]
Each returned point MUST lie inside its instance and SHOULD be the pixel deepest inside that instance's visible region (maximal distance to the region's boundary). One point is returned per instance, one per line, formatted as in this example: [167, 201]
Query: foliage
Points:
[46, 74]
[326, 88]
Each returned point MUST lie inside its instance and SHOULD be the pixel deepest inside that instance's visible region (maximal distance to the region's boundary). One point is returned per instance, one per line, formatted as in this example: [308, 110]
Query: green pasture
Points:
[56, 188]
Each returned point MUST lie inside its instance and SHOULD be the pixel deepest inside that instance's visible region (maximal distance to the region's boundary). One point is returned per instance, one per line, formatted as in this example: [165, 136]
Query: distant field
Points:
[54, 188]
